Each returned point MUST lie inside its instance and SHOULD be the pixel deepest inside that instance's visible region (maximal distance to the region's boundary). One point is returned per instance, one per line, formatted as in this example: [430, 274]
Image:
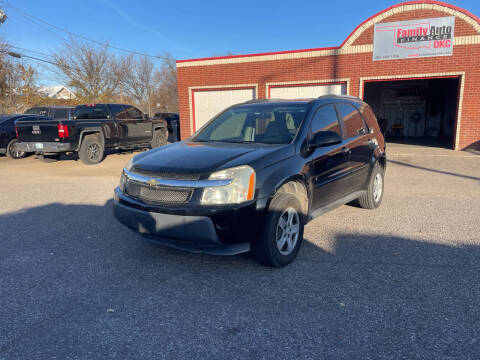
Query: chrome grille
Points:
[166, 176]
[158, 194]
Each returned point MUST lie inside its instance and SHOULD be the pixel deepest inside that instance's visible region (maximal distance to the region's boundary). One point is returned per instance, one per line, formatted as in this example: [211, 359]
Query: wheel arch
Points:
[86, 132]
[295, 185]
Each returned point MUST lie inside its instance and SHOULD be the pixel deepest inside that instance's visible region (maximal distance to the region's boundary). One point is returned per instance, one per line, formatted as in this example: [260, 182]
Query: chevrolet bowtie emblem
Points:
[152, 182]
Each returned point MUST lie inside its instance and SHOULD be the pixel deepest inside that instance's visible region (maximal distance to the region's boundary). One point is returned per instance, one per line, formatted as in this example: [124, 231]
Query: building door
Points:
[208, 103]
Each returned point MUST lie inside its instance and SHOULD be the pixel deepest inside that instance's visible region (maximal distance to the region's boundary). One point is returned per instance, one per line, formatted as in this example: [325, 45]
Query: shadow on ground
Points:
[76, 284]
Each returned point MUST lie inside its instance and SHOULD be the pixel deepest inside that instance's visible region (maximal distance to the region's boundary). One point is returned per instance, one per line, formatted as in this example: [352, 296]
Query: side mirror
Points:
[325, 138]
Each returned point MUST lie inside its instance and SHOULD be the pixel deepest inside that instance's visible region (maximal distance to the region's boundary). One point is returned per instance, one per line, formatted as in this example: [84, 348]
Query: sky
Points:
[189, 29]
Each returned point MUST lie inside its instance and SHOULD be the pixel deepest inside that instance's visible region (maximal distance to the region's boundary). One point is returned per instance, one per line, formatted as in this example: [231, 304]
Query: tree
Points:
[166, 95]
[17, 83]
[140, 81]
[90, 70]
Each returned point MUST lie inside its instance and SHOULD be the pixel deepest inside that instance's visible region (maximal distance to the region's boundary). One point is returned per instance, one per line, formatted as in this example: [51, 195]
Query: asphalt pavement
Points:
[399, 282]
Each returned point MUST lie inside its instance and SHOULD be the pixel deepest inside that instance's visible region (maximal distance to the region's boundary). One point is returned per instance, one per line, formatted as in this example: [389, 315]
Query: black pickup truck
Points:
[94, 128]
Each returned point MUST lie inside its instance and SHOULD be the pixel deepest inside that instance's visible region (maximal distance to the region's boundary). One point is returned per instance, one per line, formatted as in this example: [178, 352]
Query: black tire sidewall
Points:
[159, 139]
[270, 253]
[83, 153]
[8, 152]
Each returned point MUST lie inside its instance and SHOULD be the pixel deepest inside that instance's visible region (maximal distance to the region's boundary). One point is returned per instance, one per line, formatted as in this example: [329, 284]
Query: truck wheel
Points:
[159, 138]
[283, 232]
[12, 151]
[373, 198]
[91, 151]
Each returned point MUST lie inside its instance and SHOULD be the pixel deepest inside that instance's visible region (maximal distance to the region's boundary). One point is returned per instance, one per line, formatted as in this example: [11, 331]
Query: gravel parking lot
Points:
[400, 282]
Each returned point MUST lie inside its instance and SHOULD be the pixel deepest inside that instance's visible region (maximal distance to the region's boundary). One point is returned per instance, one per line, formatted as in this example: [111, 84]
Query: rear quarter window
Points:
[352, 120]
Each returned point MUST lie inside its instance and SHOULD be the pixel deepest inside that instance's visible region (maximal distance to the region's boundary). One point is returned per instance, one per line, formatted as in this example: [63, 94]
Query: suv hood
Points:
[202, 158]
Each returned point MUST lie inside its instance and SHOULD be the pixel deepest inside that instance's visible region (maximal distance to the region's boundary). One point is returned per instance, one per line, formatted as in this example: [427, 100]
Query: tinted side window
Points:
[38, 111]
[134, 113]
[118, 111]
[352, 120]
[172, 117]
[325, 119]
[91, 112]
[61, 113]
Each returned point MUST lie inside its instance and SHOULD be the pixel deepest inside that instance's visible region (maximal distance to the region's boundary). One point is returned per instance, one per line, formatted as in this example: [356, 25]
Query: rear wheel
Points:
[283, 232]
[159, 138]
[12, 151]
[373, 198]
[91, 151]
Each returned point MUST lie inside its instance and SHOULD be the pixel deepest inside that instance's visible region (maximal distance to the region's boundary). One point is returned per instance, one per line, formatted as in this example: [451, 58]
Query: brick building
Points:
[422, 92]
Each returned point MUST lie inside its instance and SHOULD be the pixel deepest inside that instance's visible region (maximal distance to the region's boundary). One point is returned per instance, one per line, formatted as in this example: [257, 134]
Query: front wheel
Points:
[159, 139]
[374, 195]
[13, 152]
[283, 232]
[91, 151]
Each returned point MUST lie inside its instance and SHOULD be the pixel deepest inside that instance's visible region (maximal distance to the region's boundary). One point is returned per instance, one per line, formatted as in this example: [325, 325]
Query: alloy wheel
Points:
[15, 152]
[93, 151]
[377, 187]
[288, 229]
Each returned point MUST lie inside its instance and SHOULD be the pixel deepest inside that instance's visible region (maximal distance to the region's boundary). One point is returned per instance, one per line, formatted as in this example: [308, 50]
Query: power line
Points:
[33, 51]
[34, 18]
[17, 55]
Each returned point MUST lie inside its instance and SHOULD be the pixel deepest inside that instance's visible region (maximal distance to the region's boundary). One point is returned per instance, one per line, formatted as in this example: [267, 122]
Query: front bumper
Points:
[44, 147]
[218, 231]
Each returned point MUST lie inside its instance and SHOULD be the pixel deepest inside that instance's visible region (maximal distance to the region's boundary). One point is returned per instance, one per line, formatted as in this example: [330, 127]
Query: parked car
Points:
[54, 112]
[94, 128]
[173, 125]
[8, 137]
[253, 176]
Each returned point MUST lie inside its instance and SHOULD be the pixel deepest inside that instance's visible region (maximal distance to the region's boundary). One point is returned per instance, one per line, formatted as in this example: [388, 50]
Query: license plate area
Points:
[38, 146]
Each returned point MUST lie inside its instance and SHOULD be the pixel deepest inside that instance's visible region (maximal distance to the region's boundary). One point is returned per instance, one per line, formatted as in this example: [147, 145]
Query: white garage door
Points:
[209, 103]
[307, 91]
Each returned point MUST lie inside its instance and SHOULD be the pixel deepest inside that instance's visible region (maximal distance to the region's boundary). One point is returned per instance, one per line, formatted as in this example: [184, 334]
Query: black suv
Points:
[254, 175]
[173, 125]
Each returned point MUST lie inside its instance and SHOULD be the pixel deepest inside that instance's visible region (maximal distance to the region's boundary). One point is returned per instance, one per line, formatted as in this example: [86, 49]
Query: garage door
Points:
[306, 91]
[209, 103]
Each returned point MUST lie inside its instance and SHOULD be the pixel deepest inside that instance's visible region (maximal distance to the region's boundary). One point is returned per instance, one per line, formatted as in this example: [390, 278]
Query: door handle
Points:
[346, 150]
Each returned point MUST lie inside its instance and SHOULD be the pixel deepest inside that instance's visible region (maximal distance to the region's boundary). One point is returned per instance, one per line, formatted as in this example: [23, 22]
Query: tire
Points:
[273, 248]
[159, 139]
[373, 198]
[92, 150]
[12, 153]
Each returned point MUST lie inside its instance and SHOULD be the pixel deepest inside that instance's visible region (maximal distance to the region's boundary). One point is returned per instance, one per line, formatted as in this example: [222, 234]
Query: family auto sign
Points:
[414, 39]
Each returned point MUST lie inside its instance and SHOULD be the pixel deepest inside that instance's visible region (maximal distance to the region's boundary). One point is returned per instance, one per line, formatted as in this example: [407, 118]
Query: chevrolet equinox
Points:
[254, 175]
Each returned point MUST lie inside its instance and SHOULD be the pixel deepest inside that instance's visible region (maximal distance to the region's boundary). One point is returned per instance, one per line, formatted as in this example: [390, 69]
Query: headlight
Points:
[123, 178]
[242, 187]
[129, 165]
[123, 181]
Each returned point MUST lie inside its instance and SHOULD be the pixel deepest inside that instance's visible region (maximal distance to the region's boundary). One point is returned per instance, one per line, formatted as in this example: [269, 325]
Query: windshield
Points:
[259, 123]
